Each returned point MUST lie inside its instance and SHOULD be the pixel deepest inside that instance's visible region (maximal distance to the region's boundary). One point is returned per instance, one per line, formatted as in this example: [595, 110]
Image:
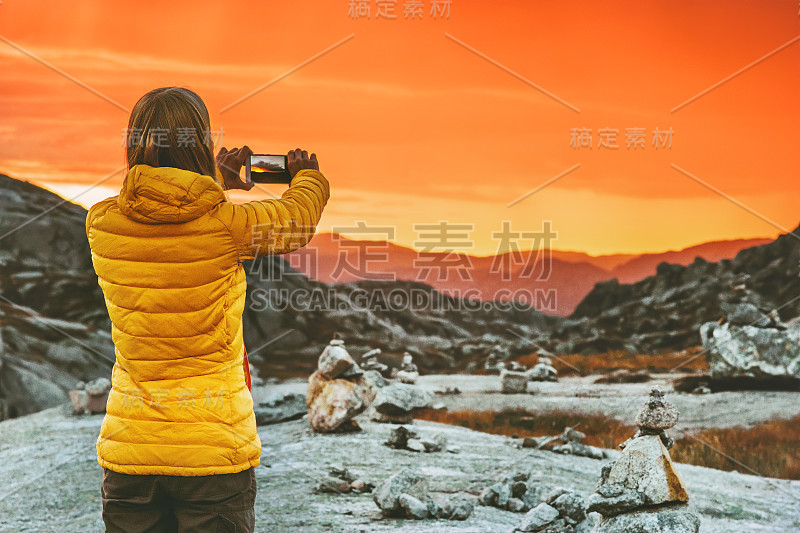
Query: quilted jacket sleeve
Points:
[278, 226]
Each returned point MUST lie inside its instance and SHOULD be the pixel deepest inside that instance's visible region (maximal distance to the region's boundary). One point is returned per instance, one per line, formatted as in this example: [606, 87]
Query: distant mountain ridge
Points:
[332, 258]
[55, 330]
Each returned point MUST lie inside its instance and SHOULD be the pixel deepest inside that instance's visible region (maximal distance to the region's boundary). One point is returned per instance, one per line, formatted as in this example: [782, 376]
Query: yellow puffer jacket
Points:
[168, 253]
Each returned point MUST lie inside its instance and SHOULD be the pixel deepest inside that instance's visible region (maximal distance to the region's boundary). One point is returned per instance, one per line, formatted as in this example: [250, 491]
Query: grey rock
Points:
[503, 494]
[413, 507]
[399, 436]
[334, 360]
[400, 399]
[462, 508]
[657, 413]
[678, 519]
[645, 467]
[538, 517]
[614, 499]
[516, 505]
[386, 494]
[513, 382]
[415, 445]
[330, 484]
[489, 495]
[570, 505]
[735, 351]
[280, 408]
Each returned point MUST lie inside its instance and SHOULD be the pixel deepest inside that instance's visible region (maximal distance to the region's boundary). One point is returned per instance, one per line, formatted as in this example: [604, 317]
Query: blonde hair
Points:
[170, 127]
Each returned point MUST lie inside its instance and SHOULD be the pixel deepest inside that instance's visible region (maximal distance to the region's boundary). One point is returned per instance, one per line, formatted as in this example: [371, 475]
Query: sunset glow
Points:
[632, 126]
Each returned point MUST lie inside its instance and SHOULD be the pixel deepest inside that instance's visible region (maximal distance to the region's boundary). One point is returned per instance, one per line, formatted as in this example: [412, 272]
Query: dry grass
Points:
[578, 364]
[600, 430]
[768, 449]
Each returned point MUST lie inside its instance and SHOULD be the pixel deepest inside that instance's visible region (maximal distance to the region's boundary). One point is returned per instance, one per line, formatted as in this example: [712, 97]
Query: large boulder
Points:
[396, 402]
[645, 467]
[332, 403]
[751, 351]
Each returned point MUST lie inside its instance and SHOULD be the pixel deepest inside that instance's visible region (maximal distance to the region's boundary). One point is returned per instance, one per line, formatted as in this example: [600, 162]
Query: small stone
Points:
[332, 485]
[413, 507]
[415, 445]
[554, 494]
[573, 435]
[515, 505]
[657, 413]
[538, 517]
[386, 495]
[461, 508]
[453, 449]
[398, 438]
[530, 442]
[518, 488]
[358, 485]
[489, 496]
[503, 494]
[570, 505]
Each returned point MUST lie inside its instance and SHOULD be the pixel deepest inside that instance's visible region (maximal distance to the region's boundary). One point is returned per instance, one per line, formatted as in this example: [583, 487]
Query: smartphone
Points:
[266, 168]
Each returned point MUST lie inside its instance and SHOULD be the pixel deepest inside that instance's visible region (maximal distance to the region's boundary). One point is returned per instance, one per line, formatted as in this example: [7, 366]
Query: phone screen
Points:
[266, 168]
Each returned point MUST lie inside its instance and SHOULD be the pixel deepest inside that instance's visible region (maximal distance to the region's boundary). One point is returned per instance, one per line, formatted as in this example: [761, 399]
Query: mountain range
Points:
[333, 258]
[55, 329]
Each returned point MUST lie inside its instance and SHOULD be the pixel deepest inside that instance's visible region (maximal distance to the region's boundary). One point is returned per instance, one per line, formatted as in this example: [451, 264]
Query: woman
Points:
[178, 444]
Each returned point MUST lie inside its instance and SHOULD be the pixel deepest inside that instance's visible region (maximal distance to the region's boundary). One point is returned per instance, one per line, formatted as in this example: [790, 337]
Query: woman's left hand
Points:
[230, 165]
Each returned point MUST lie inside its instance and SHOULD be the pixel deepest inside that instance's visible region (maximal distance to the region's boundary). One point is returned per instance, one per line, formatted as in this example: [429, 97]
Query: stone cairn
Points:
[369, 361]
[90, 397]
[512, 382]
[641, 491]
[408, 372]
[337, 391]
[543, 370]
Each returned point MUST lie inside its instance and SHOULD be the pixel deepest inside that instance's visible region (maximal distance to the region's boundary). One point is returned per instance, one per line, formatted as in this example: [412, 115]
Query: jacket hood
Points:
[164, 195]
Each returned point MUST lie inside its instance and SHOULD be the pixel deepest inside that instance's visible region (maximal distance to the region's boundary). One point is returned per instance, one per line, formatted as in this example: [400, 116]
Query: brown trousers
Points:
[162, 503]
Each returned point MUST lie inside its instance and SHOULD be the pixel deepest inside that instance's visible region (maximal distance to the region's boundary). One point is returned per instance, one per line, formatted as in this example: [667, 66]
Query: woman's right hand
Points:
[299, 160]
[230, 164]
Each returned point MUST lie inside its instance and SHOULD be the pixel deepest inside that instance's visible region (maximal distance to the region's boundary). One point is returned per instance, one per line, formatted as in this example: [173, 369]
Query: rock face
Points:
[395, 403]
[753, 341]
[513, 382]
[665, 311]
[643, 483]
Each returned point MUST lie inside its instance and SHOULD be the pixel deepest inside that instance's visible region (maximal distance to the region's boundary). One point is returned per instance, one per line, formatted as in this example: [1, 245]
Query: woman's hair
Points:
[169, 127]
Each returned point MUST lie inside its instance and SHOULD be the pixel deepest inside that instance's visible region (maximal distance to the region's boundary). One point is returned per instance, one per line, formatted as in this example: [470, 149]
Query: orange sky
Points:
[412, 127]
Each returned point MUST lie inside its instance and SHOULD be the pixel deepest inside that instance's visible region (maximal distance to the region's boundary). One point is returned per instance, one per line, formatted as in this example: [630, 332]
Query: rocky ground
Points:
[51, 477]
[581, 394]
